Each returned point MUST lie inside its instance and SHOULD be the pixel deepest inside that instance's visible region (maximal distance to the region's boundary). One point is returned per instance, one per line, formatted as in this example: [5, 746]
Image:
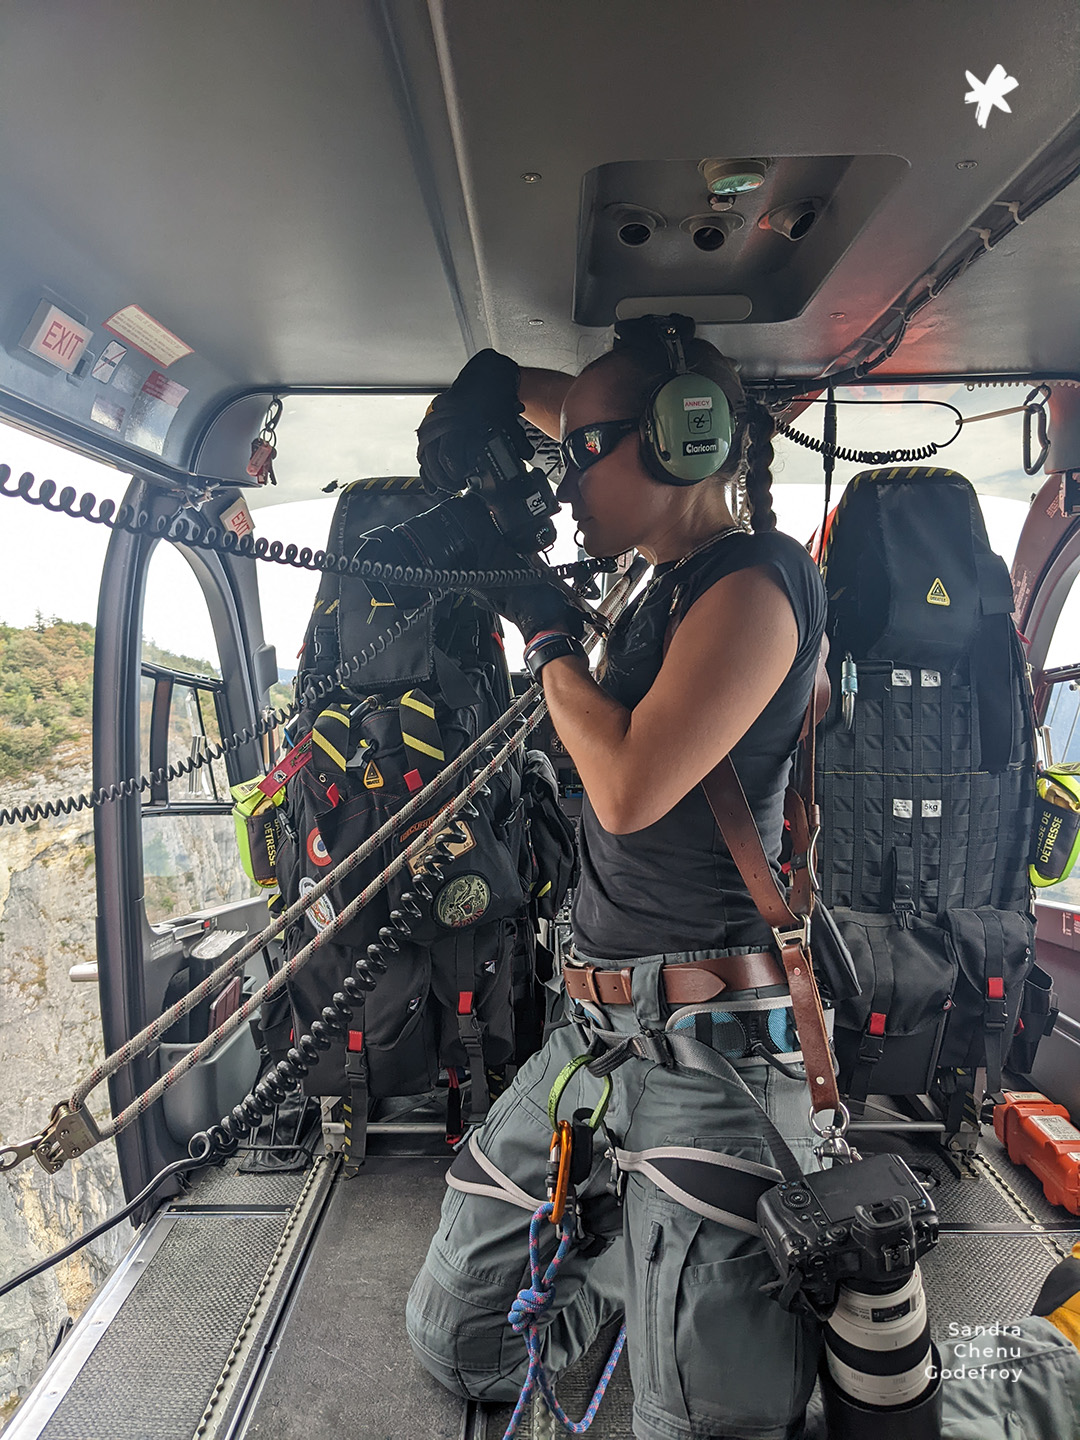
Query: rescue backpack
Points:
[450, 939]
[926, 777]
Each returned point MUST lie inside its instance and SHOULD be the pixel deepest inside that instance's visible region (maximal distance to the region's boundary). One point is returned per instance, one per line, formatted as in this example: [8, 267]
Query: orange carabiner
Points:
[562, 1142]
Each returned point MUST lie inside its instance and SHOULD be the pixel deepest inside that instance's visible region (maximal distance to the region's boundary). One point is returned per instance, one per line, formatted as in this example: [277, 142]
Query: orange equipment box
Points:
[1039, 1134]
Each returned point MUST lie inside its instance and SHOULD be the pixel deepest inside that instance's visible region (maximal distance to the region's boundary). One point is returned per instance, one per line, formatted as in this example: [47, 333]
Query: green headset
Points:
[687, 425]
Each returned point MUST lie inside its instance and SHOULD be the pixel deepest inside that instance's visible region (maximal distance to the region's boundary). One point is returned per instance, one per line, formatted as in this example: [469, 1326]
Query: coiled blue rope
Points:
[526, 1310]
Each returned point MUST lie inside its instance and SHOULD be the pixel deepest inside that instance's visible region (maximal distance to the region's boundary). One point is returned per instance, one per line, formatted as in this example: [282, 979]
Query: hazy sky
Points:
[53, 563]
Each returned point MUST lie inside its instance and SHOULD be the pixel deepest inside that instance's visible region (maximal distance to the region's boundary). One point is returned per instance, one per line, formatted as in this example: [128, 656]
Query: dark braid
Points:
[759, 457]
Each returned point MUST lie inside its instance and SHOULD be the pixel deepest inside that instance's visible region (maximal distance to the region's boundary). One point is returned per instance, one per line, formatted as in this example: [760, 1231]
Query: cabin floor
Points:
[270, 1306]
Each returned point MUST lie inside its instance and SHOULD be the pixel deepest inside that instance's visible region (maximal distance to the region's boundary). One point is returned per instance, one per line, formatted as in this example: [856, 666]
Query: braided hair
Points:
[759, 457]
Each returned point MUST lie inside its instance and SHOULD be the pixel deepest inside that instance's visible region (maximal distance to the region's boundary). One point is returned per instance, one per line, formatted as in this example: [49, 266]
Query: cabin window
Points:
[190, 859]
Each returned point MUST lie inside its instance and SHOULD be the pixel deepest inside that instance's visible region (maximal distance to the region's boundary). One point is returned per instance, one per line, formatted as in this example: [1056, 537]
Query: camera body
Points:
[501, 499]
[518, 496]
[863, 1225]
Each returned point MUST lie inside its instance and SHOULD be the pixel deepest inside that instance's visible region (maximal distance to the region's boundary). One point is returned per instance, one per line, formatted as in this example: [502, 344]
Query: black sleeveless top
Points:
[673, 885]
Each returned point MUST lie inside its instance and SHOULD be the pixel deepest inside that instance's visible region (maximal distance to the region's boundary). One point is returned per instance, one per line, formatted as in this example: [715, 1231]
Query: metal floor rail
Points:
[164, 1349]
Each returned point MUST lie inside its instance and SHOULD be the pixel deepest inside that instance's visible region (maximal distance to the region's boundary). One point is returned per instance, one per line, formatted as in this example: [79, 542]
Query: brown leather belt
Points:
[689, 984]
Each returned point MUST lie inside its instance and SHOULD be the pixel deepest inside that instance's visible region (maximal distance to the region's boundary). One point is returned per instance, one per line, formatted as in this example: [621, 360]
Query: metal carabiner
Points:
[558, 1171]
[1037, 408]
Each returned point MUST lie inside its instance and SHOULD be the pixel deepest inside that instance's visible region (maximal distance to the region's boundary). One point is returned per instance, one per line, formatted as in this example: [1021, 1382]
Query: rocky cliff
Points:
[50, 1034]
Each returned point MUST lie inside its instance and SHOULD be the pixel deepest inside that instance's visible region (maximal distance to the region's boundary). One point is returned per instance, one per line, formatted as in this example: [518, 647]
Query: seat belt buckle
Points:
[355, 1059]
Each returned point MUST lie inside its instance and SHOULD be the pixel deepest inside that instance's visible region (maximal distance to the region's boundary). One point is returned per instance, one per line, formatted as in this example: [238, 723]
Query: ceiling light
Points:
[733, 177]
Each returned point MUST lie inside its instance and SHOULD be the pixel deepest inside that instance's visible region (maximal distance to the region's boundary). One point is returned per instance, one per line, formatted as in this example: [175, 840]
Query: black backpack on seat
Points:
[445, 1001]
[926, 777]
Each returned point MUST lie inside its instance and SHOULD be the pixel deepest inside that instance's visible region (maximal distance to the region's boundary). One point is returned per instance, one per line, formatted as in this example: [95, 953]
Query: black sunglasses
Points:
[584, 446]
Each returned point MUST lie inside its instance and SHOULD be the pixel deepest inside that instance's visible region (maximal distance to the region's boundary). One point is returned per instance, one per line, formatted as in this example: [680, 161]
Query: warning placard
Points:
[1056, 1127]
[134, 325]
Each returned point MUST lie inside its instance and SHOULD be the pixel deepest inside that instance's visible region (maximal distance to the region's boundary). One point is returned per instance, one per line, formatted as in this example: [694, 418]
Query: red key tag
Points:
[262, 455]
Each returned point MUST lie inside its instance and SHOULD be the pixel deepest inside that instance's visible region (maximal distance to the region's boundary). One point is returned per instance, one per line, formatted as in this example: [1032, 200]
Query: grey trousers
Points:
[711, 1358]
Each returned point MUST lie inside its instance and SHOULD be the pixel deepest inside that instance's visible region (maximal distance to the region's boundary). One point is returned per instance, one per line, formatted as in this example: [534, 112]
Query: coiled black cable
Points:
[139, 784]
[831, 451]
[187, 529]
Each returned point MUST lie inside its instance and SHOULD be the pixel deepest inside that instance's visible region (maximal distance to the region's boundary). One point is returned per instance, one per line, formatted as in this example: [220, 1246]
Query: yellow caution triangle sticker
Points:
[372, 777]
[937, 594]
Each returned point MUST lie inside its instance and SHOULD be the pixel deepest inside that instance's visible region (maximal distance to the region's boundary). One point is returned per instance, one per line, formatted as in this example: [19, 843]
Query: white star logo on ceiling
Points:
[989, 94]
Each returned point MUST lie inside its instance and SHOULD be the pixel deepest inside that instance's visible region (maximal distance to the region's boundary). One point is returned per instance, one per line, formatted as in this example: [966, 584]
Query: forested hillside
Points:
[46, 691]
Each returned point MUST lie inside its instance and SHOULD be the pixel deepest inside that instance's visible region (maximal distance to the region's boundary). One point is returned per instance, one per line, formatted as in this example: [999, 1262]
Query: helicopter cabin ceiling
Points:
[360, 193]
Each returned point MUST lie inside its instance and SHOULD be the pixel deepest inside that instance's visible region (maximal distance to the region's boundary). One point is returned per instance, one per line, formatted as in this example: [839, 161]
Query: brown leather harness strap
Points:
[729, 805]
[790, 924]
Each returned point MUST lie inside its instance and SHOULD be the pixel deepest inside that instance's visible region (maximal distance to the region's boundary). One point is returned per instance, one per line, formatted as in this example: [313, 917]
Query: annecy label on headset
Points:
[700, 447]
[698, 402]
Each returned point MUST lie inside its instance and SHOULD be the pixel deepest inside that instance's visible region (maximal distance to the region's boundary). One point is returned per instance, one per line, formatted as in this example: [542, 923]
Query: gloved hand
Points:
[484, 397]
[550, 604]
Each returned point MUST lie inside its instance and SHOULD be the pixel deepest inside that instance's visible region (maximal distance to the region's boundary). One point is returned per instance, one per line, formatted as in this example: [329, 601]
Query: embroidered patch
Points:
[322, 912]
[316, 848]
[463, 901]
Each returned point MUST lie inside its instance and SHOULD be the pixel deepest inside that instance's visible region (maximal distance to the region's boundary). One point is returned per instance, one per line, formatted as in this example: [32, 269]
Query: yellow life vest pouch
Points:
[1057, 824]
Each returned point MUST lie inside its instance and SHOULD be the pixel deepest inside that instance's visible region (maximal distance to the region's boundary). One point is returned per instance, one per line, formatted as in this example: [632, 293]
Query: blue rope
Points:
[525, 1312]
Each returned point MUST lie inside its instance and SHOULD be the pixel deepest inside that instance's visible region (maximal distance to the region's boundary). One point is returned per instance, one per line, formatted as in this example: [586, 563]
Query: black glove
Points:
[547, 605]
[484, 397]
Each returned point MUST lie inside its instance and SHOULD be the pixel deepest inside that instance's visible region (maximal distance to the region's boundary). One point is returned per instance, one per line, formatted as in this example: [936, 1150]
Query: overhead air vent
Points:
[724, 240]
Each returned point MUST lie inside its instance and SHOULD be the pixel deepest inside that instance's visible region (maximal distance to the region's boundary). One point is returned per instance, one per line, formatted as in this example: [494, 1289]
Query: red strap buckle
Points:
[465, 1002]
[413, 780]
[877, 1023]
[995, 987]
[356, 1041]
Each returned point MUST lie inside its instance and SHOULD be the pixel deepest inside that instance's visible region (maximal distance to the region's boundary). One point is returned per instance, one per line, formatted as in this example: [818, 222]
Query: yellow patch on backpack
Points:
[937, 594]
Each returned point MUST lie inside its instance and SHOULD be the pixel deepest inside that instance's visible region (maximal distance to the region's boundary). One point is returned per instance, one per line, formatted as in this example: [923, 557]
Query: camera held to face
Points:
[502, 498]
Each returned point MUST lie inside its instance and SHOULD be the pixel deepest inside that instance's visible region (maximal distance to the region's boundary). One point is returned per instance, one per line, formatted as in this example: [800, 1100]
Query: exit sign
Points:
[55, 337]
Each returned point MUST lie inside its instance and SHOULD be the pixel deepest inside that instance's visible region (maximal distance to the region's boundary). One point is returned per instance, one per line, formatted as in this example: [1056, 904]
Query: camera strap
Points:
[791, 929]
[789, 921]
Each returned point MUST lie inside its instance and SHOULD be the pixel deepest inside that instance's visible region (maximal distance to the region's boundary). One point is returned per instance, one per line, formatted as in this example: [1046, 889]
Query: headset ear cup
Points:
[688, 425]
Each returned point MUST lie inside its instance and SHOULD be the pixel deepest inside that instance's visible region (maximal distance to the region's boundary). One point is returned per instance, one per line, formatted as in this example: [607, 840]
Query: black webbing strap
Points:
[889, 769]
[470, 1031]
[994, 1012]
[669, 1047]
[903, 881]
[918, 784]
[859, 897]
[355, 1103]
[946, 859]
